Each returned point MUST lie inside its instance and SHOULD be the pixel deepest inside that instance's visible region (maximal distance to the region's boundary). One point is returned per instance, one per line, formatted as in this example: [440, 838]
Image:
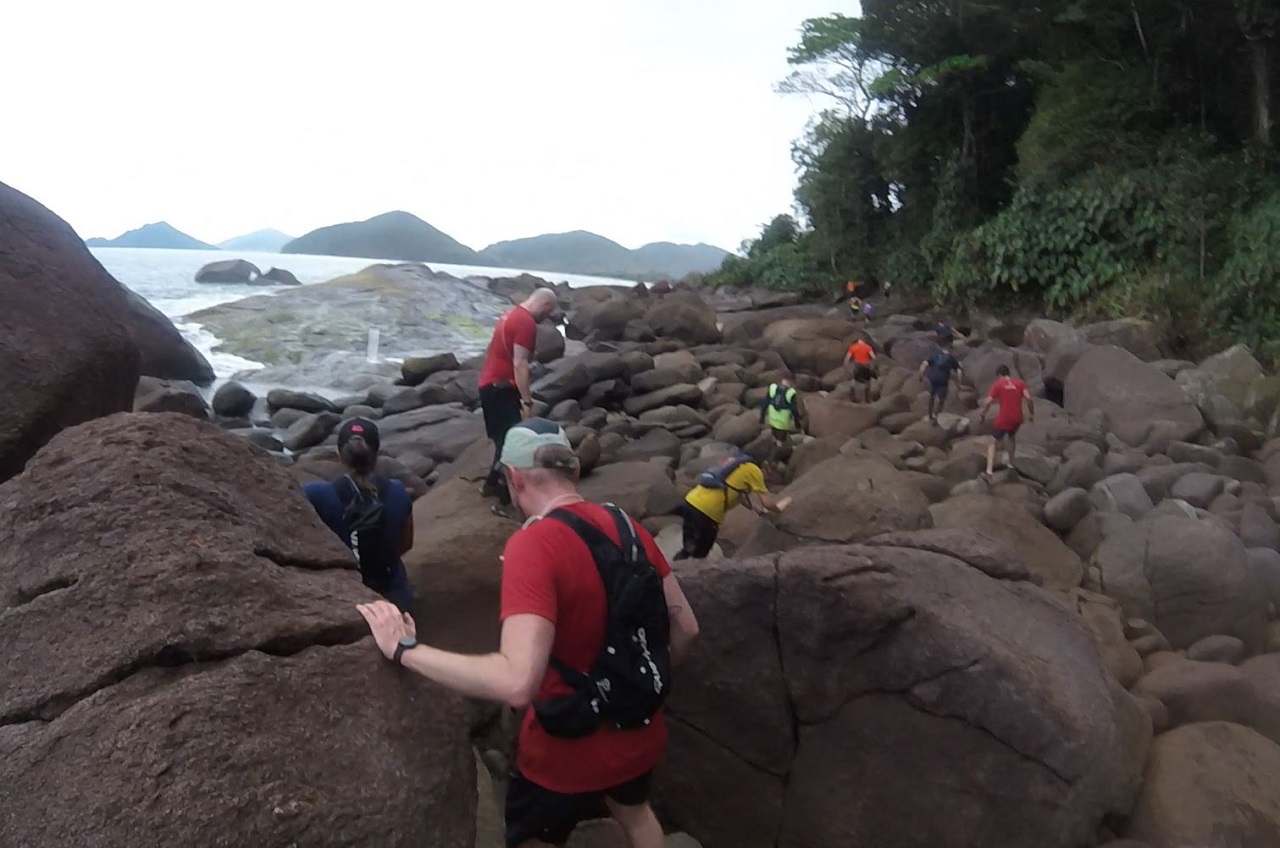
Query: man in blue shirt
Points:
[937, 369]
[371, 515]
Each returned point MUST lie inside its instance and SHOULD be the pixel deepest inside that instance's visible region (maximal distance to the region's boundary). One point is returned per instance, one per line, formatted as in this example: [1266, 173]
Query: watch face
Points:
[408, 641]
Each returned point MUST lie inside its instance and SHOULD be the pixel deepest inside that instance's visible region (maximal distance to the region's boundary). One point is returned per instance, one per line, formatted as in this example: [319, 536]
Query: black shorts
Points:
[780, 435]
[536, 813]
[938, 390]
[500, 403]
[1002, 433]
[862, 373]
[700, 532]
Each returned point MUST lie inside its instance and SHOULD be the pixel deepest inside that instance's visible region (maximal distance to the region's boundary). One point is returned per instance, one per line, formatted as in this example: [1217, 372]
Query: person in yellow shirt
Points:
[739, 479]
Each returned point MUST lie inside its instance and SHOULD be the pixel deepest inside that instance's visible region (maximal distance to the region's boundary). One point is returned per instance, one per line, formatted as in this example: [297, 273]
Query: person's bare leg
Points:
[639, 823]
[991, 455]
[1011, 449]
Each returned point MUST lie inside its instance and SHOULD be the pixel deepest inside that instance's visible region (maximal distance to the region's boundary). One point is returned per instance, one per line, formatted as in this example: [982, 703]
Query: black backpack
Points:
[364, 520]
[631, 676]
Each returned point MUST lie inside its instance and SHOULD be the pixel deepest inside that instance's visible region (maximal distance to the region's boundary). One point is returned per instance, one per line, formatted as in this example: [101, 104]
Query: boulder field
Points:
[1080, 650]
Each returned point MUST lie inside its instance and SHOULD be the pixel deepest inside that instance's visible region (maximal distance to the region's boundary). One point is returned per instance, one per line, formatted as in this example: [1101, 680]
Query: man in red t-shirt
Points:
[1010, 394]
[862, 356]
[505, 396]
[553, 604]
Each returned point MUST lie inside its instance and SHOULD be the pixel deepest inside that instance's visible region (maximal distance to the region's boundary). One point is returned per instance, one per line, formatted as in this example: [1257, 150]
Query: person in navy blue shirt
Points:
[371, 515]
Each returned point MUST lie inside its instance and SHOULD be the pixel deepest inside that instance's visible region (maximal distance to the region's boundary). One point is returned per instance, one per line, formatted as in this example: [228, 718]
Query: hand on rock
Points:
[388, 625]
[783, 504]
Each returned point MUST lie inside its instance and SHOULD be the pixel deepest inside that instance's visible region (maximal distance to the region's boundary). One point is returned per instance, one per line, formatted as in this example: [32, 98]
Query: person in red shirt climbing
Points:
[1010, 394]
[863, 358]
[505, 396]
[592, 622]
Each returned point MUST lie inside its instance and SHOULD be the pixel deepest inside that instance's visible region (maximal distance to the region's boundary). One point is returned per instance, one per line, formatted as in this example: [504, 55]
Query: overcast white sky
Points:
[642, 120]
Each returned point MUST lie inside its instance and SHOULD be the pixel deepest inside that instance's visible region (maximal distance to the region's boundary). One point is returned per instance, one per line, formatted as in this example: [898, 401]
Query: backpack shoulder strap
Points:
[600, 546]
[346, 490]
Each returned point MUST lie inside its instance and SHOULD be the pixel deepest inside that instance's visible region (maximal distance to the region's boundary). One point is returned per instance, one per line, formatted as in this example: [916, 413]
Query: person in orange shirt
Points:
[862, 356]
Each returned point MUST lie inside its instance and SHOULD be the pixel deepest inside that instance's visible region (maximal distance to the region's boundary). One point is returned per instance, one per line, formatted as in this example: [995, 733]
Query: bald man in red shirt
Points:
[505, 395]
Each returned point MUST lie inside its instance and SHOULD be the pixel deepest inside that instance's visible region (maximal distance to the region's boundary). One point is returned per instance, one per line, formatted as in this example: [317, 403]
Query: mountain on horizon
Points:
[582, 252]
[407, 238]
[263, 241]
[161, 234]
[393, 235]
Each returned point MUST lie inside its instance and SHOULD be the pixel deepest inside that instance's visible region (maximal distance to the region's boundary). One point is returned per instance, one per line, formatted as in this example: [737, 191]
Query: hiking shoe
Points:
[502, 511]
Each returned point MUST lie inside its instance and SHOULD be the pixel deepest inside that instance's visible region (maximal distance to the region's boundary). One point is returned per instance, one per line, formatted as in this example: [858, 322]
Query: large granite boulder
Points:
[851, 499]
[455, 566]
[65, 337]
[1210, 785]
[683, 316]
[815, 346]
[228, 271]
[165, 353]
[1144, 339]
[1140, 403]
[184, 661]
[606, 319]
[1188, 576]
[863, 696]
[1051, 560]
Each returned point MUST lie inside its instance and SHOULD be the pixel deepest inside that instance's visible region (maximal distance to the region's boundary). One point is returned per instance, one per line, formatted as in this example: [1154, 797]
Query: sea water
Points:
[167, 280]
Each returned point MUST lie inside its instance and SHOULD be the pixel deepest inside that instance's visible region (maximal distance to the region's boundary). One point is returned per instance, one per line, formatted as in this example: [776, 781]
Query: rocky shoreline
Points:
[1082, 650]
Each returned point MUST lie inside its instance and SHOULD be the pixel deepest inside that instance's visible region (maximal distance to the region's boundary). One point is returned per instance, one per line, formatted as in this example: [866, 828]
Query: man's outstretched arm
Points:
[511, 676]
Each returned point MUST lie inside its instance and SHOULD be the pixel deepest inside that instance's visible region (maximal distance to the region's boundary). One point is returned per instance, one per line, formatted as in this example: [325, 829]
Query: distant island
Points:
[404, 237]
[262, 241]
[393, 235]
[161, 234]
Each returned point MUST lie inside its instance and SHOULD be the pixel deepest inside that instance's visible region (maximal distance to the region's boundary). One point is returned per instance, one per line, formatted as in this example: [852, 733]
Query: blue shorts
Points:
[398, 590]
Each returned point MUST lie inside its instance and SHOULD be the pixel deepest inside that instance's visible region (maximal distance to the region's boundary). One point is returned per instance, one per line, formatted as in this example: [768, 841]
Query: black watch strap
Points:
[400, 649]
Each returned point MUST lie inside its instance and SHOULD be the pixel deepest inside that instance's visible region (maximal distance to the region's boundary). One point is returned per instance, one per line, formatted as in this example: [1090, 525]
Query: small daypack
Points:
[782, 398]
[364, 519]
[718, 477]
[631, 676]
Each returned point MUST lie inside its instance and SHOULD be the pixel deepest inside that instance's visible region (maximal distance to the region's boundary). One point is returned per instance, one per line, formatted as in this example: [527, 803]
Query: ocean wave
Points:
[224, 364]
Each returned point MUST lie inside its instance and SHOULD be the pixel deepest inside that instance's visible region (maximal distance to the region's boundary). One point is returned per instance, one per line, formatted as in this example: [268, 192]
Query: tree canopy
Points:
[1088, 157]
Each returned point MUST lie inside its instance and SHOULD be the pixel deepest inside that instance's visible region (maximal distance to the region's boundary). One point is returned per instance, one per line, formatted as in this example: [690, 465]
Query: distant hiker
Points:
[782, 411]
[946, 335]
[868, 310]
[855, 308]
[938, 369]
[738, 479]
[888, 288]
[593, 621]
[1010, 394]
[862, 356]
[372, 515]
[504, 380]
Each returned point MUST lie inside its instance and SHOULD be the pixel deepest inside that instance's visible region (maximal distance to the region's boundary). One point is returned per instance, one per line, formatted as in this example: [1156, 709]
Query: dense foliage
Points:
[1088, 157]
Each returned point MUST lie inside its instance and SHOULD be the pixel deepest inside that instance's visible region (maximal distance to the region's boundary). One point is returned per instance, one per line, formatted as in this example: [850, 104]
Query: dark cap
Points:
[362, 427]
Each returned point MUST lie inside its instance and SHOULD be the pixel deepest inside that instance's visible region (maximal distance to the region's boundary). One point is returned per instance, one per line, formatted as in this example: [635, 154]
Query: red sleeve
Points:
[525, 333]
[528, 575]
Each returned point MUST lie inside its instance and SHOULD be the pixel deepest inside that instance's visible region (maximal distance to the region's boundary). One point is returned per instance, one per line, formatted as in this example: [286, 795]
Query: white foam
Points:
[224, 364]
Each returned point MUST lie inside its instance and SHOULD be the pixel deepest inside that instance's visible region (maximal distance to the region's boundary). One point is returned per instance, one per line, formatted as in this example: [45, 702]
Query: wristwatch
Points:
[526, 403]
[406, 643]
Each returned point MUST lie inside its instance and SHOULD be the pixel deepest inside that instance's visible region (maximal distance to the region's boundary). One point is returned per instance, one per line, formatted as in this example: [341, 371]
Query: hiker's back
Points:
[550, 553]
[337, 504]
